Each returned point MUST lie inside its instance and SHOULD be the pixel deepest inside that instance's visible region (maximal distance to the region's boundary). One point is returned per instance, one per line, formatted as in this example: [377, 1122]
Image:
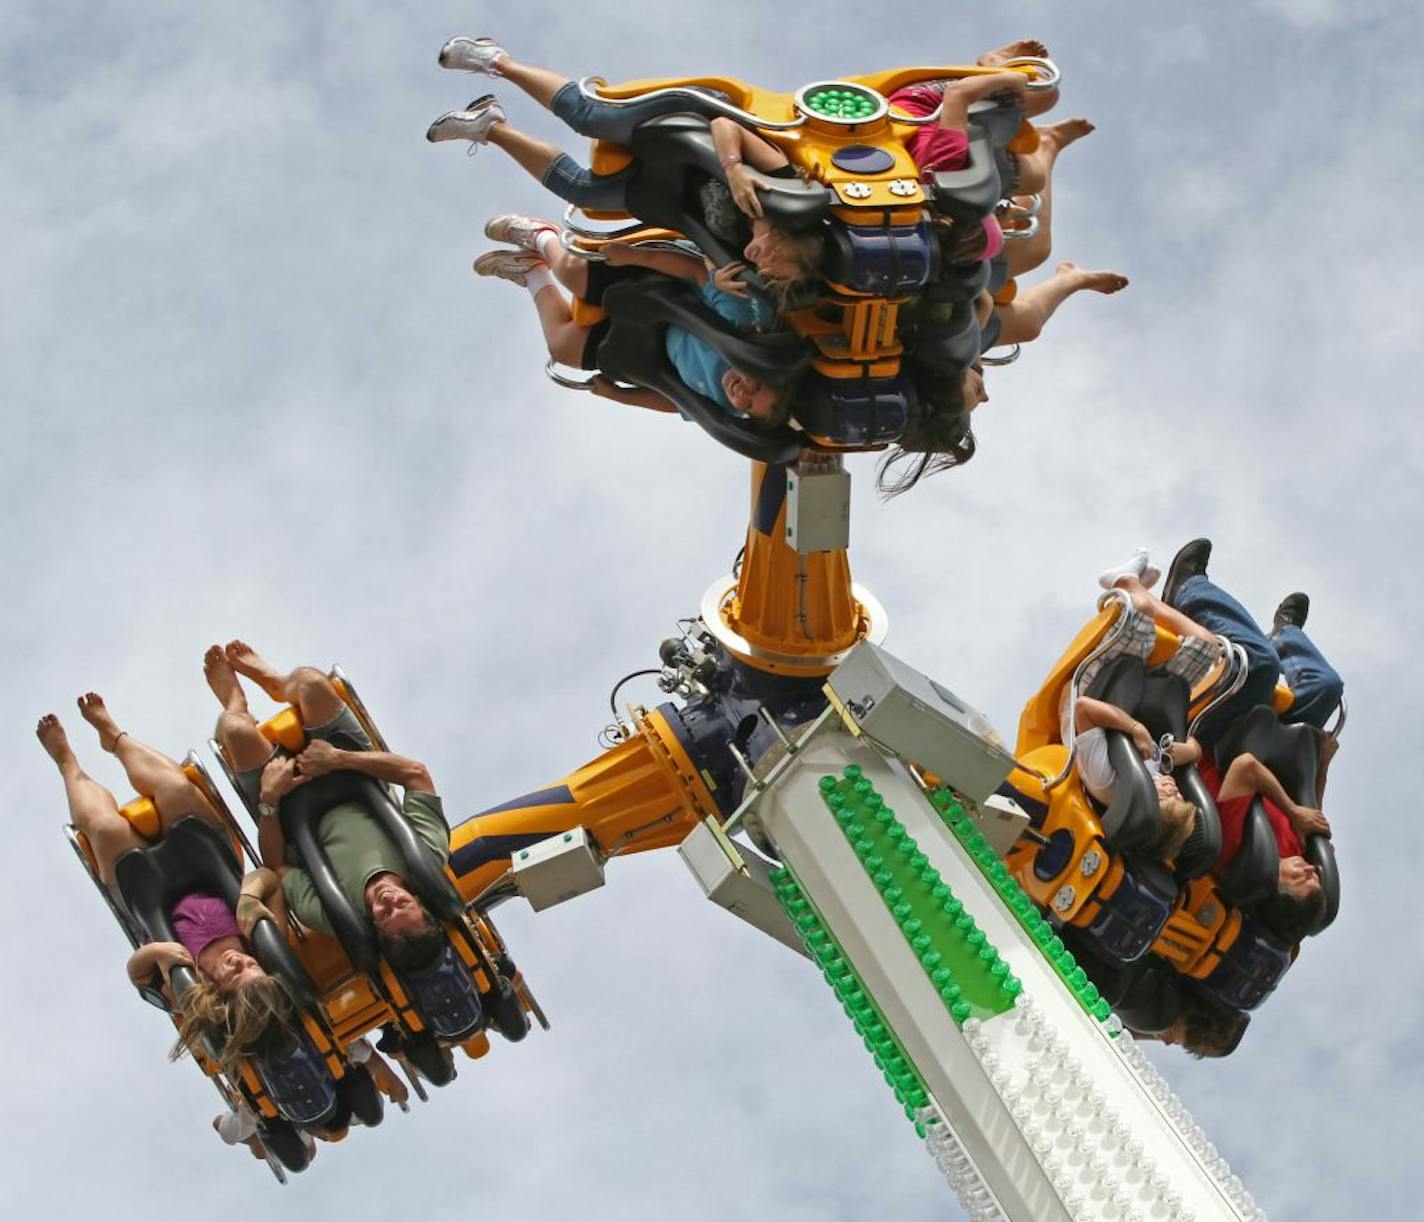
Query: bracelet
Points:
[730, 160]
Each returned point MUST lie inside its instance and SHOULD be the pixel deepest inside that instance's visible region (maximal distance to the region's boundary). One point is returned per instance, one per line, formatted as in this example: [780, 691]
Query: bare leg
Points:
[539, 83]
[1023, 318]
[565, 338]
[1169, 617]
[150, 772]
[569, 270]
[316, 700]
[237, 731]
[92, 808]
[536, 156]
[1024, 256]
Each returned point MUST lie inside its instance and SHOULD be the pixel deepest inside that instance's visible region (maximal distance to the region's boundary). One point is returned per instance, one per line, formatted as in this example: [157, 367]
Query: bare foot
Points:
[247, 661]
[55, 741]
[223, 680]
[1014, 50]
[92, 709]
[1065, 131]
[1097, 282]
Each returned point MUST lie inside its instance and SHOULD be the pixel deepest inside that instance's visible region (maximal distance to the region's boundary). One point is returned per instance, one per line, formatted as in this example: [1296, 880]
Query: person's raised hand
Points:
[1308, 822]
[743, 189]
[168, 955]
[318, 758]
[279, 778]
[1144, 742]
[728, 279]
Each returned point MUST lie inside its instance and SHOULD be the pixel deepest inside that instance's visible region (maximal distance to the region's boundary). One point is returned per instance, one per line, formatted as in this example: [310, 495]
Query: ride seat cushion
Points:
[930, 148]
[1233, 812]
[358, 849]
[200, 919]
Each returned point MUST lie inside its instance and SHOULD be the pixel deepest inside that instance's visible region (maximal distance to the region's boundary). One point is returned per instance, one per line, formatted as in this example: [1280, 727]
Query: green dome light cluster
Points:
[964, 967]
[1020, 904]
[841, 102]
[870, 1025]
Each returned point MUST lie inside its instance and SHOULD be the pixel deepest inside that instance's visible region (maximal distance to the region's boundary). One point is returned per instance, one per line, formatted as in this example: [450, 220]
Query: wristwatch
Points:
[265, 810]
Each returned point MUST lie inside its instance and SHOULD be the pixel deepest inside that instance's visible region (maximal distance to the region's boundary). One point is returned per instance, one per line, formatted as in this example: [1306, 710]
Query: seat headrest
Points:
[862, 411]
[446, 996]
[193, 856]
[888, 260]
[639, 310]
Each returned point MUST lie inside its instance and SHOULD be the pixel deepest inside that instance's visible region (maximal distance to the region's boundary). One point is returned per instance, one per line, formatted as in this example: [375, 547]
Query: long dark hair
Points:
[938, 437]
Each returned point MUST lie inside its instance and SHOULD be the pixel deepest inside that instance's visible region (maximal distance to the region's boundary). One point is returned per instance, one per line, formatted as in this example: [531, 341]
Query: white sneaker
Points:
[464, 54]
[516, 230]
[472, 124]
[1138, 567]
[511, 265]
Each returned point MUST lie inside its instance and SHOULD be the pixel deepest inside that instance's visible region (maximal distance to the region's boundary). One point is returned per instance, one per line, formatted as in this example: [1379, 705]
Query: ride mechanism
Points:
[838, 800]
[845, 804]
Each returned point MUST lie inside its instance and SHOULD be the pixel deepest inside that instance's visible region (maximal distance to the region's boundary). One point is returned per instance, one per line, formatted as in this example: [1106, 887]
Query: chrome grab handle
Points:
[1020, 234]
[1048, 73]
[587, 87]
[551, 371]
[1118, 628]
[1340, 715]
[1012, 207]
[580, 229]
[1238, 681]
[1015, 350]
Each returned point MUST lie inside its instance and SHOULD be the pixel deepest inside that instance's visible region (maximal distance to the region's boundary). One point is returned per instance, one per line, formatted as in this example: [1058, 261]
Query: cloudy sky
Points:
[251, 388]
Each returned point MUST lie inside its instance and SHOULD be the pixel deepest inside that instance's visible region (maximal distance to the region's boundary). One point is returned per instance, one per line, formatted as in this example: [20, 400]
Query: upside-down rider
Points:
[1288, 652]
[367, 864]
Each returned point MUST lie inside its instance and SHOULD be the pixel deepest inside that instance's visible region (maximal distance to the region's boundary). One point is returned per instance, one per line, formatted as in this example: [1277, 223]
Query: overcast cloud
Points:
[251, 388]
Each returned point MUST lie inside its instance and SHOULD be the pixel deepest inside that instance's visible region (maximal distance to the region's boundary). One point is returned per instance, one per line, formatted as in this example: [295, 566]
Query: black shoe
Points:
[1292, 612]
[1190, 561]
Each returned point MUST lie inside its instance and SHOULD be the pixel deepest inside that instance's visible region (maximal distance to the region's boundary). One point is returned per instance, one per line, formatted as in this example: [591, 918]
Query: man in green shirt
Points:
[366, 862]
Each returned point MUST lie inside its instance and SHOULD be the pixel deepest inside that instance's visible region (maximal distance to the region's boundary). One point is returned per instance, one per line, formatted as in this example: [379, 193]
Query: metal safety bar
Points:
[1239, 667]
[1070, 718]
[1021, 233]
[1013, 354]
[1048, 80]
[587, 87]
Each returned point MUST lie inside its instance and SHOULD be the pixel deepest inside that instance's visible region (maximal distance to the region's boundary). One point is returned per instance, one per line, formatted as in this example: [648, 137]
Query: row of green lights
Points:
[964, 967]
[1018, 901]
[880, 1041]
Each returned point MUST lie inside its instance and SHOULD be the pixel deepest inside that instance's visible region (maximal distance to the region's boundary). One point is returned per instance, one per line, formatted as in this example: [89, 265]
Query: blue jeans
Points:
[1316, 686]
[598, 120]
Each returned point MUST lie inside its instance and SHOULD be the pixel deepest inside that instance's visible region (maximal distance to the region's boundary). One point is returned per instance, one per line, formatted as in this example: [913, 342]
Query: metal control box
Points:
[818, 510]
[743, 888]
[920, 721]
[558, 869]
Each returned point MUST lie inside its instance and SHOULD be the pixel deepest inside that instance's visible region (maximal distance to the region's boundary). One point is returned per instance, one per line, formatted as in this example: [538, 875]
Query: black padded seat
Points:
[1152, 1001]
[444, 994]
[946, 346]
[1250, 970]
[674, 155]
[884, 260]
[1292, 753]
[958, 282]
[862, 411]
[302, 811]
[641, 308]
[1164, 706]
[194, 856]
[973, 192]
[1134, 817]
